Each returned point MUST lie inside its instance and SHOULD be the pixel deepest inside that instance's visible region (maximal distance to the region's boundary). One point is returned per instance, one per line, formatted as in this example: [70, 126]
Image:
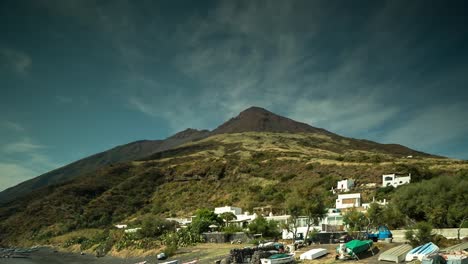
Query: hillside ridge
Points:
[252, 119]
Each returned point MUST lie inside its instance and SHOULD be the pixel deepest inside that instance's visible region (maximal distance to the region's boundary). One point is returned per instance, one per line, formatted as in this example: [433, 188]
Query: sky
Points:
[79, 76]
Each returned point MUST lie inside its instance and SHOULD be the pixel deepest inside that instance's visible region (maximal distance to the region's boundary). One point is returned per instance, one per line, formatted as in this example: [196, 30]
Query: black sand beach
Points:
[49, 256]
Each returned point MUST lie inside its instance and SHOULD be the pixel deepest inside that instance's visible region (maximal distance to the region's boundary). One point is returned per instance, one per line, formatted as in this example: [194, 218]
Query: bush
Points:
[231, 229]
[262, 226]
[154, 227]
[421, 234]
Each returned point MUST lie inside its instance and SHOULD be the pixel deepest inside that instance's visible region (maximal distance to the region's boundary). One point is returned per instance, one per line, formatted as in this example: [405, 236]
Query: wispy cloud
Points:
[22, 160]
[63, 99]
[139, 105]
[13, 173]
[13, 126]
[15, 60]
[23, 146]
[430, 127]
[355, 72]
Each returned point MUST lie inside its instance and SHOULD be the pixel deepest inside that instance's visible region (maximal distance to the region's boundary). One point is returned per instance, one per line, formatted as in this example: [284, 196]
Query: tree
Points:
[422, 235]
[152, 226]
[440, 201]
[261, 225]
[228, 217]
[355, 220]
[294, 207]
[375, 215]
[203, 219]
[314, 210]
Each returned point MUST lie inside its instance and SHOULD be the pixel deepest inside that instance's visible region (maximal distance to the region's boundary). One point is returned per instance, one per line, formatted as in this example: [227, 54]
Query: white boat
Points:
[191, 262]
[278, 259]
[396, 254]
[421, 251]
[170, 262]
[313, 253]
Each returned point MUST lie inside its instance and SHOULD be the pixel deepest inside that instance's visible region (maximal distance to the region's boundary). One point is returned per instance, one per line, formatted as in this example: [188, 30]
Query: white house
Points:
[333, 221]
[348, 200]
[345, 185]
[395, 180]
[228, 209]
[181, 221]
[367, 205]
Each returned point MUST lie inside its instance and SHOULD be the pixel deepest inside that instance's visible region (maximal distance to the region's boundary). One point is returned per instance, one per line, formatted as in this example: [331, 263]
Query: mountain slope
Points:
[243, 169]
[207, 169]
[256, 119]
[127, 152]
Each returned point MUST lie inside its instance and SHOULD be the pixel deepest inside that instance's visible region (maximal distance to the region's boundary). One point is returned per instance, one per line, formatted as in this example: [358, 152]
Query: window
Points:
[388, 178]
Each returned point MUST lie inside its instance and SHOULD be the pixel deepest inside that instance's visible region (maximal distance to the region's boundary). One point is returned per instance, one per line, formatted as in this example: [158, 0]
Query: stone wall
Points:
[399, 235]
[221, 237]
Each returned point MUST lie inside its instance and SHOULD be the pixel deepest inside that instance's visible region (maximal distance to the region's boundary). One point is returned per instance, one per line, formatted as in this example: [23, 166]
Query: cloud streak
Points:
[15, 60]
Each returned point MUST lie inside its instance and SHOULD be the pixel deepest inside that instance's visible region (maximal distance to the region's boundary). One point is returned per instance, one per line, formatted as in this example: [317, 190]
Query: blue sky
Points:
[79, 77]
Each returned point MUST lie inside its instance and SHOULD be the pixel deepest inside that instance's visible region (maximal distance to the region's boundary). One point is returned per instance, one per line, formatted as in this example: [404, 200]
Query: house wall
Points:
[395, 180]
[345, 185]
[348, 201]
[234, 210]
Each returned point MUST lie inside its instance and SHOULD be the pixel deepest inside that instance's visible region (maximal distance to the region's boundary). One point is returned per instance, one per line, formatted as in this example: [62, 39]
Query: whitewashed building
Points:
[345, 185]
[366, 206]
[348, 200]
[395, 180]
[228, 209]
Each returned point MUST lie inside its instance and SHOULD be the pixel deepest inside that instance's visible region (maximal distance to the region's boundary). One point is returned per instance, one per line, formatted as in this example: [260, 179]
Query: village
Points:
[332, 222]
[306, 240]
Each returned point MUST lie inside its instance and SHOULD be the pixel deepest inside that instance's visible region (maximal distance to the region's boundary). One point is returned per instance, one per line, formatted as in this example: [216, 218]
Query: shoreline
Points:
[203, 253]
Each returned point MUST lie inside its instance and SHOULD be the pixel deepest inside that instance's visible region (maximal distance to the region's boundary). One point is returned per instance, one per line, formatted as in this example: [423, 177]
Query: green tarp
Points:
[358, 246]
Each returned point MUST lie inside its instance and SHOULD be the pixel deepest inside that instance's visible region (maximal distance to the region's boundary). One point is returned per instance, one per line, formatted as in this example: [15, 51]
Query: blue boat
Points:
[421, 251]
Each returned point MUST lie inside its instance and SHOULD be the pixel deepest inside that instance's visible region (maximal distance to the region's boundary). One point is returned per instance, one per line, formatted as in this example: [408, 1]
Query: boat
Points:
[396, 254]
[170, 262]
[457, 247]
[313, 253]
[281, 258]
[353, 248]
[421, 251]
[191, 262]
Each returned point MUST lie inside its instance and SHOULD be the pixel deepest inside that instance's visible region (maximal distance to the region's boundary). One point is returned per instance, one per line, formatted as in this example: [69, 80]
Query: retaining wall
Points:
[451, 233]
[221, 237]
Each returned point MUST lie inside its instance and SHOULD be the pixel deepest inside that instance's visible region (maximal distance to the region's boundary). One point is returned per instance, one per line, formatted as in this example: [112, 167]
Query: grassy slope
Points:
[246, 170]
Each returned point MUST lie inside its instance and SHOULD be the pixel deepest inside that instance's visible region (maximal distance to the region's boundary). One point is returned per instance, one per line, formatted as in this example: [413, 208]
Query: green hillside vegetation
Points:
[244, 169]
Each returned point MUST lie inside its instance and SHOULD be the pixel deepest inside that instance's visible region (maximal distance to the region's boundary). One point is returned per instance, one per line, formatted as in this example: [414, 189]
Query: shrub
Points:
[231, 229]
[155, 226]
[421, 234]
[262, 226]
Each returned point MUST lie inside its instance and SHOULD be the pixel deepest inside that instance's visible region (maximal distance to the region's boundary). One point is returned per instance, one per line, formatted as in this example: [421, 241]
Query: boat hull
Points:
[314, 253]
[288, 259]
[419, 252]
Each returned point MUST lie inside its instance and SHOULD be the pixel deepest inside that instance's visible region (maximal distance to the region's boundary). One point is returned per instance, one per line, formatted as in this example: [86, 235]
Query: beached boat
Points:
[278, 259]
[358, 246]
[421, 251]
[396, 254]
[353, 248]
[313, 253]
[170, 262]
[191, 262]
